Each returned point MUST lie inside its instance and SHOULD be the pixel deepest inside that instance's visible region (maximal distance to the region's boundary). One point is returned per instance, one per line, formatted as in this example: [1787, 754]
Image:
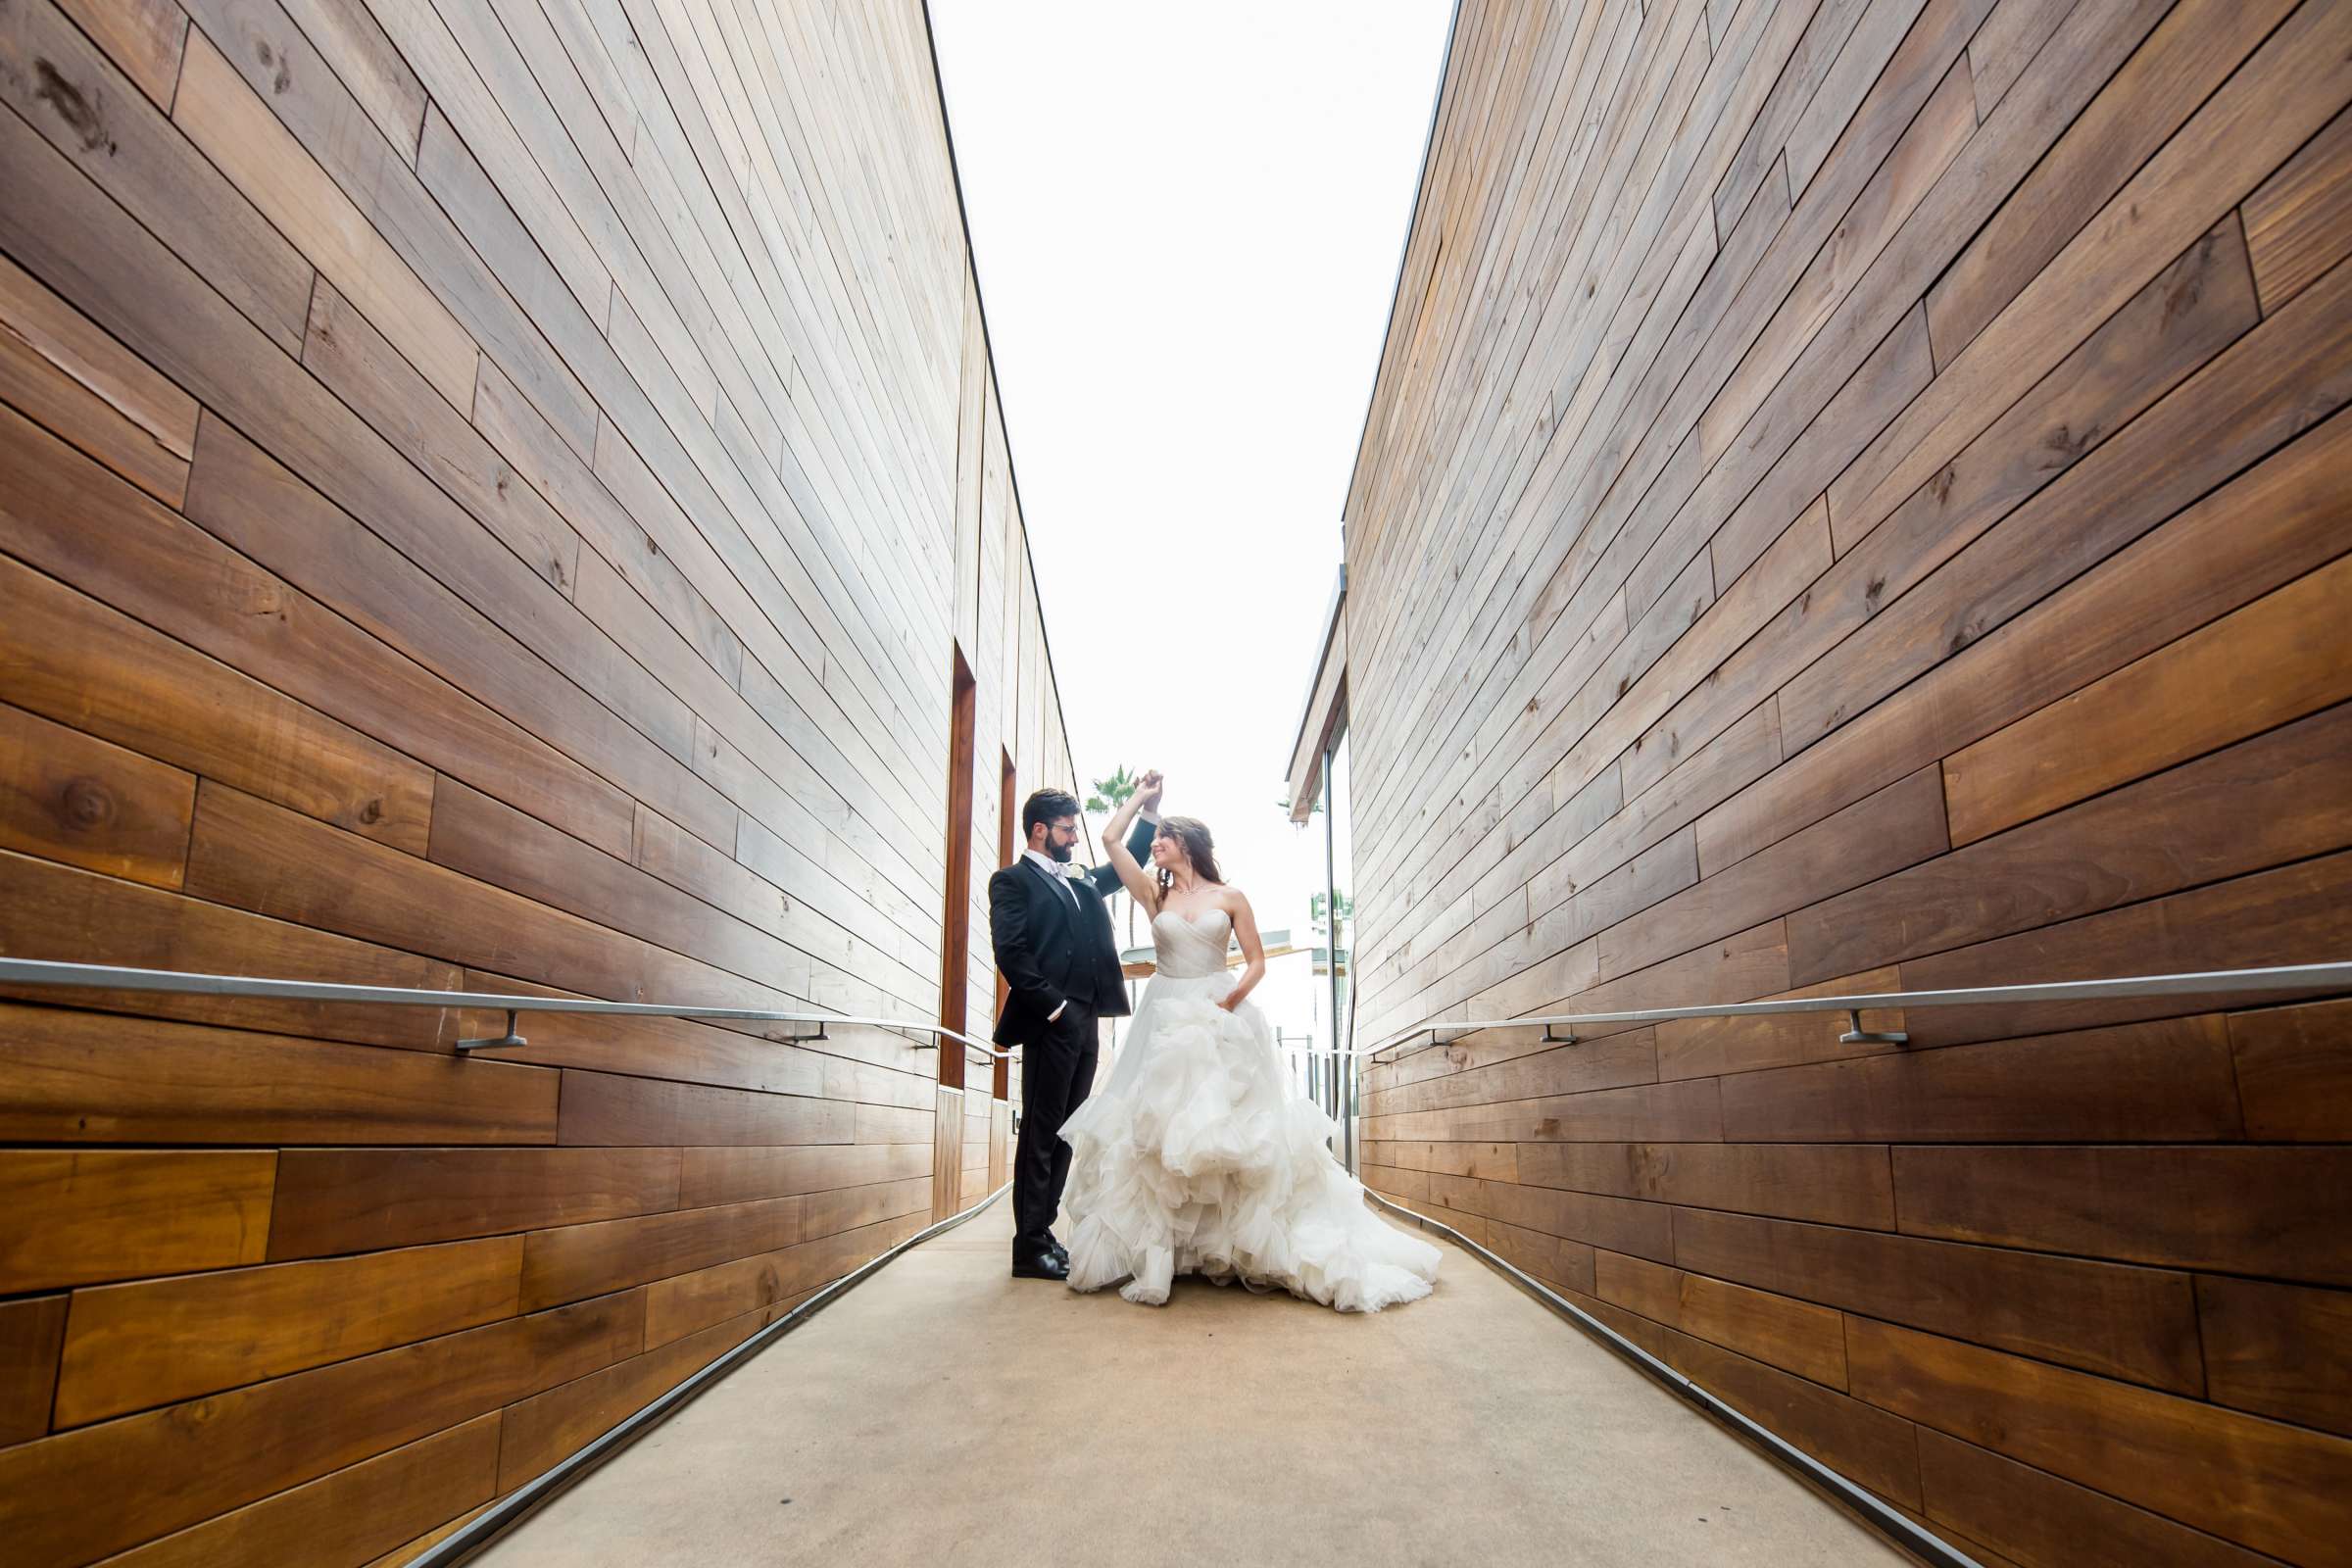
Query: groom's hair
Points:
[1049, 805]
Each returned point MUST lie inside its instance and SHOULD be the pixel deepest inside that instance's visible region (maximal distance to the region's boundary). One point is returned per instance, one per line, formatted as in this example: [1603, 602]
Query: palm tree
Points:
[1109, 795]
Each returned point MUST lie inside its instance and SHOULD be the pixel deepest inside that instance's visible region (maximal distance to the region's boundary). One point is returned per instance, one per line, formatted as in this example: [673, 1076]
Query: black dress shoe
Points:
[1034, 1262]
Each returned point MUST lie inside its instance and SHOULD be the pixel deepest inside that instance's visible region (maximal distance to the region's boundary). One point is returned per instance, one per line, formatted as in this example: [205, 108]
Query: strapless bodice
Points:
[1188, 950]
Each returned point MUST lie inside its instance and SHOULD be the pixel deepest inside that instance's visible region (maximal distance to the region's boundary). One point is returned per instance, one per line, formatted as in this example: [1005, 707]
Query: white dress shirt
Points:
[1058, 870]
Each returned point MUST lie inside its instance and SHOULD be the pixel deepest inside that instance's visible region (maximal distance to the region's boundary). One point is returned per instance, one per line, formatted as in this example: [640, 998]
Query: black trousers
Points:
[1057, 1068]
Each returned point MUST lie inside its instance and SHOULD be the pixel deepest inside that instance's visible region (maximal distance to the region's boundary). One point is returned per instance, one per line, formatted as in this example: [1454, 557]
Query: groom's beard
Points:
[1060, 852]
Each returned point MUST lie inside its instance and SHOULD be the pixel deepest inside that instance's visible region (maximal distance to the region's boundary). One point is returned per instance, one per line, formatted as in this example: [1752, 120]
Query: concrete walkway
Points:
[944, 1413]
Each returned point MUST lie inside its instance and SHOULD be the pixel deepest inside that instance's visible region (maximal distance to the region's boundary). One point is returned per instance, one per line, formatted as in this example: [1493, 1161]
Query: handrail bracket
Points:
[508, 1039]
[1857, 1035]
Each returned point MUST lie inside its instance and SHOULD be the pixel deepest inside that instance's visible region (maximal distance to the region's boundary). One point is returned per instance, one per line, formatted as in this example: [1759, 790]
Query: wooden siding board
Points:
[1981, 442]
[522, 439]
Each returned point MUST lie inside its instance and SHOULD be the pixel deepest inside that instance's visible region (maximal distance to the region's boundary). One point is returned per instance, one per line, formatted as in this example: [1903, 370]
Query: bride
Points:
[1195, 1158]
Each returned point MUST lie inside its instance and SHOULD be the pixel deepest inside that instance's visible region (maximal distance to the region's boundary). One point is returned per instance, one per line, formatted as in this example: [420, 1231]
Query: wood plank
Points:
[1767, 134]
[1682, 1112]
[1808, 1340]
[254, 856]
[60, 914]
[2039, 1519]
[1492, 1162]
[1860, 1442]
[2244, 923]
[1642, 1230]
[1910, 566]
[2167, 78]
[134, 1346]
[347, 1517]
[264, 509]
[400, 1556]
[1910, 170]
[881, 1124]
[2256, 533]
[1833, 105]
[2121, 1322]
[234, 127]
[2134, 446]
[1405, 1186]
[607, 1110]
[32, 1329]
[689, 1303]
[77, 1216]
[493, 843]
[641, 556]
[2006, 44]
[92, 665]
[845, 1208]
[95, 119]
[2291, 796]
[1877, 838]
[2175, 324]
[364, 61]
[1558, 1261]
[81, 1077]
[312, 99]
[2290, 88]
[582, 1260]
[2279, 1212]
[1606, 1063]
[66, 796]
[1694, 1047]
[2280, 658]
[2299, 224]
[2229, 415]
[360, 1200]
[165, 310]
[171, 1468]
[2278, 1350]
[742, 1055]
[549, 1427]
[367, 369]
[1835, 1186]
[143, 38]
[2294, 1076]
[2270, 1487]
[65, 373]
[2160, 1081]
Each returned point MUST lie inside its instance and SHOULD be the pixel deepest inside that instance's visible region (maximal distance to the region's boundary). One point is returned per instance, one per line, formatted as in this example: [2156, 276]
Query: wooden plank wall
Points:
[1856, 497]
[489, 494]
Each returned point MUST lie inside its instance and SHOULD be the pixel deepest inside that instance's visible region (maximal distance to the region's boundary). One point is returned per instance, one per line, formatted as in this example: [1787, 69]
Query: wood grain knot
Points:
[89, 805]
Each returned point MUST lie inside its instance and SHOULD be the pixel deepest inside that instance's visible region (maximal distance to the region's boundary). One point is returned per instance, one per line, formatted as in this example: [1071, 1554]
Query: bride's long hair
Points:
[1199, 849]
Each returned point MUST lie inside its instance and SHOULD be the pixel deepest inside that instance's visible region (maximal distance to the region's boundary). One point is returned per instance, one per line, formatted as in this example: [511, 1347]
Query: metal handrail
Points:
[2283, 977]
[110, 977]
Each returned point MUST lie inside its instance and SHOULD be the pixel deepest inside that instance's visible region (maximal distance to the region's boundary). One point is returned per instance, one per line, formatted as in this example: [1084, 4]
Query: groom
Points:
[1051, 924]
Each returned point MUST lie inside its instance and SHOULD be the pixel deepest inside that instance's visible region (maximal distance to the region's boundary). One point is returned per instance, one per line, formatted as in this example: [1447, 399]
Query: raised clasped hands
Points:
[1148, 788]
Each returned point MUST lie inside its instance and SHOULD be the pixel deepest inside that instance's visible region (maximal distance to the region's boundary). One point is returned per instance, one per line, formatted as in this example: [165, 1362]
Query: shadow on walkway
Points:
[944, 1413]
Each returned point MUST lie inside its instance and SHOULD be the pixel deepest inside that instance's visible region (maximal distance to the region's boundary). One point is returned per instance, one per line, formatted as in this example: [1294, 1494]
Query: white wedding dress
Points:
[1196, 1158]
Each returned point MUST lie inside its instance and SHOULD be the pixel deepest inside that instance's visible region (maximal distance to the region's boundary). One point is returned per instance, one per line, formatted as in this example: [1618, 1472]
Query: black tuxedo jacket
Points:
[1050, 952]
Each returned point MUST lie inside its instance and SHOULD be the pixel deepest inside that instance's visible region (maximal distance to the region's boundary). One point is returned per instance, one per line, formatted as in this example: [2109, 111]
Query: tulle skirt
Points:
[1196, 1158]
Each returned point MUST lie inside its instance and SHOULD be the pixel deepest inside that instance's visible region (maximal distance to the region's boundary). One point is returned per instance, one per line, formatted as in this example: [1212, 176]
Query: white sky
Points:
[1187, 221]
